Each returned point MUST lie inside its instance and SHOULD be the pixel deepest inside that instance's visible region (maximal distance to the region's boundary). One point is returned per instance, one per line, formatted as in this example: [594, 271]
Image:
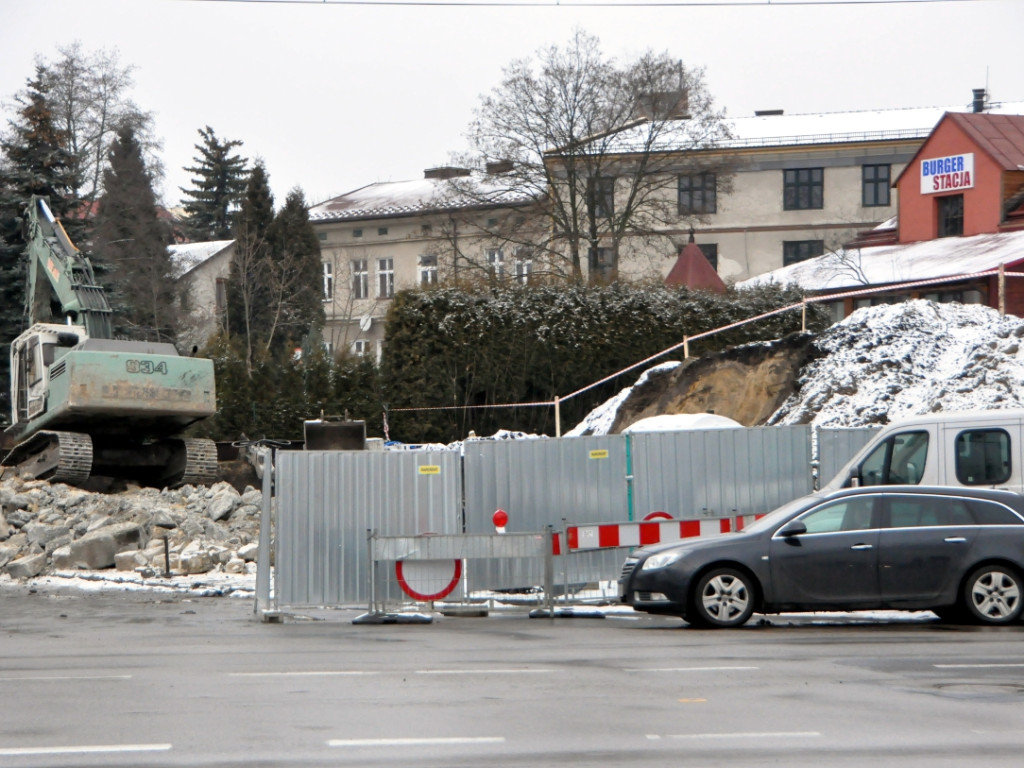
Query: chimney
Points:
[445, 172]
[979, 99]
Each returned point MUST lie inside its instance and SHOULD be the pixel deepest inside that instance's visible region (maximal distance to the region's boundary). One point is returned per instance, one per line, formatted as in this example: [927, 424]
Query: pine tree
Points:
[248, 294]
[33, 161]
[219, 182]
[131, 239]
[296, 271]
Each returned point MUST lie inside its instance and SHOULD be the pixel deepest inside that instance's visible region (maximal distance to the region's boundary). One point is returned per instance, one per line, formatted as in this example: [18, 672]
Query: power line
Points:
[596, 3]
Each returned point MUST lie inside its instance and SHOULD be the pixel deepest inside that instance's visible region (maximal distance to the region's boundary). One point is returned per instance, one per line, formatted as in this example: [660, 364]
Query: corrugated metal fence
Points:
[328, 501]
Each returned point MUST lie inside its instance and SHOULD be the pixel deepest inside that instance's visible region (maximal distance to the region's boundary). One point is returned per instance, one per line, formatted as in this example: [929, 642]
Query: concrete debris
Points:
[46, 528]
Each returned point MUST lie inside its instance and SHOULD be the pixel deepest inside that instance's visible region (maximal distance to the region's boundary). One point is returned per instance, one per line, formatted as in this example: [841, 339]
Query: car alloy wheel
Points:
[724, 598]
[993, 595]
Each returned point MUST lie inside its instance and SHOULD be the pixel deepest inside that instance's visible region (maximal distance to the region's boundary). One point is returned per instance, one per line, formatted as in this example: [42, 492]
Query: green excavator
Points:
[85, 404]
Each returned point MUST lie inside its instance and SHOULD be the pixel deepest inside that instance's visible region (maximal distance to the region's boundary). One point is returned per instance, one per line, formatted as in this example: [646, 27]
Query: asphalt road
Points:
[137, 680]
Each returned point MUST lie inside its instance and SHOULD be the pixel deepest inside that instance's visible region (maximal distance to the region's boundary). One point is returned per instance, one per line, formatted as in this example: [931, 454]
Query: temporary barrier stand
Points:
[446, 553]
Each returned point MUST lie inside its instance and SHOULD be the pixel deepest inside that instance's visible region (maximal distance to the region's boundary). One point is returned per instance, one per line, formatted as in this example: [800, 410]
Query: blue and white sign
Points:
[946, 174]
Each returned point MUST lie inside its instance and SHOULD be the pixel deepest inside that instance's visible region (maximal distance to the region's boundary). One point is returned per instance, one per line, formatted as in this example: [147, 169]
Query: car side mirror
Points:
[796, 528]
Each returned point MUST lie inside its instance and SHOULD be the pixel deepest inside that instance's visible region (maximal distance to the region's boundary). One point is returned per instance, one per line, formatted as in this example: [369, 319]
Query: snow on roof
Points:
[188, 256]
[883, 264]
[404, 198]
[798, 129]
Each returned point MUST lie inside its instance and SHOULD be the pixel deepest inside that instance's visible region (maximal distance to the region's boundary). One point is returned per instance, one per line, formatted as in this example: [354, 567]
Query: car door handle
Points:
[860, 547]
[956, 540]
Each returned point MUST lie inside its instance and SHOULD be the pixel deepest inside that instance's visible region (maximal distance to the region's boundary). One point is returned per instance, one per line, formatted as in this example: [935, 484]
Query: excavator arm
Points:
[56, 265]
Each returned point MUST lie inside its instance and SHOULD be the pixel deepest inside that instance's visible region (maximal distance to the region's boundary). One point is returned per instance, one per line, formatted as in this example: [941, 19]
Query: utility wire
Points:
[596, 3]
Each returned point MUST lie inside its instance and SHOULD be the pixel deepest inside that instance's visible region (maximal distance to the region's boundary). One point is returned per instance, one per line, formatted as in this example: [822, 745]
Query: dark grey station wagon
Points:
[956, 551]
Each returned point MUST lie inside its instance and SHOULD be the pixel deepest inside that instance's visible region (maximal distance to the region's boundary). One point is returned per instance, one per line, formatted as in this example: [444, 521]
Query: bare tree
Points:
[90, 93]
[598, 144]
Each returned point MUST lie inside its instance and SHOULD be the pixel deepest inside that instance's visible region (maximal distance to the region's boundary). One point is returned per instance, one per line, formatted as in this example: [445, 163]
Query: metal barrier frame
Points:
[467, 546]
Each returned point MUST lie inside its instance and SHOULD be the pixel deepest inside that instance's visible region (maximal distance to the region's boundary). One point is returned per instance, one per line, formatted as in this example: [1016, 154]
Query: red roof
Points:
[693, 270]
[1001, 136]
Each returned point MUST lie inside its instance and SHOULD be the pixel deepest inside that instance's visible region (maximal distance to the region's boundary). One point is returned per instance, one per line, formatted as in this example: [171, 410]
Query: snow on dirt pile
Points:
[890, 362]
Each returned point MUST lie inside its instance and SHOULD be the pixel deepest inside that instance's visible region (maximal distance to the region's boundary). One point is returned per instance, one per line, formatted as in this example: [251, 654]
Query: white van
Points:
[981, 449]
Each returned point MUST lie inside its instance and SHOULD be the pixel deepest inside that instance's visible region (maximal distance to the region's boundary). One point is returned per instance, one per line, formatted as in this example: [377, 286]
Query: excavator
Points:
[86, 404]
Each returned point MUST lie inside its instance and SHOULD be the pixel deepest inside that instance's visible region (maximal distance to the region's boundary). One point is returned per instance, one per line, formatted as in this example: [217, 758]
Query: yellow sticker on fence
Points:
[430, 469]
[601, 454]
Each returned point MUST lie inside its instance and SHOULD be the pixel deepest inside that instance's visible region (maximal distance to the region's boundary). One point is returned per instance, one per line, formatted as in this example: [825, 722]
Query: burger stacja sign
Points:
[946, 174]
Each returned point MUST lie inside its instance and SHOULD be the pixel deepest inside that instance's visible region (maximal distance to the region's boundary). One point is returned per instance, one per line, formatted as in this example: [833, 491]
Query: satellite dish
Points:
[364, 323]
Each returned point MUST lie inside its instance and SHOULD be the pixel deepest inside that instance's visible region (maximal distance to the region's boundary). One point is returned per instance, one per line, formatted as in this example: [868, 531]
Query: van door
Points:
[983, 455]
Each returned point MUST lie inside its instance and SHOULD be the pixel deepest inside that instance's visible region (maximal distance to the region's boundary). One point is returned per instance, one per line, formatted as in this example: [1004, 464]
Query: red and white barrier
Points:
[610, 535]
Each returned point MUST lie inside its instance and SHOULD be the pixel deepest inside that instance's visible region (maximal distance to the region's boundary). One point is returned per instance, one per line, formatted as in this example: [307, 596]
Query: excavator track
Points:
[200, 462]
[60, 457]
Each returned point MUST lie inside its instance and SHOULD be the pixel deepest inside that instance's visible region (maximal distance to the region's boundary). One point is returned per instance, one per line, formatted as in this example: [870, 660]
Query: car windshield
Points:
[778, 515]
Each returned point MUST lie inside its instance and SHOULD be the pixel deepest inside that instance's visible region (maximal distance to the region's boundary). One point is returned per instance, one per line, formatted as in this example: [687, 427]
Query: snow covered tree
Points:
[587, 137]
[218, 185]
[132, 241]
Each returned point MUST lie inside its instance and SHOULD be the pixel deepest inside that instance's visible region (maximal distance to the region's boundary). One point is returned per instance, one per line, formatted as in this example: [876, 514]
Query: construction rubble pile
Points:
[48, 528]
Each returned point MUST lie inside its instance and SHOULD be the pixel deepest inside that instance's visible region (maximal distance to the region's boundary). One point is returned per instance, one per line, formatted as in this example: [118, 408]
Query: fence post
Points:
[558, 418]
[1002, 289]
[263, 553]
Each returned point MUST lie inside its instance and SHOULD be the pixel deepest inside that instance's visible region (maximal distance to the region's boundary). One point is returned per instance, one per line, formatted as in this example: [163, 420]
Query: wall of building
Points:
[982, 202]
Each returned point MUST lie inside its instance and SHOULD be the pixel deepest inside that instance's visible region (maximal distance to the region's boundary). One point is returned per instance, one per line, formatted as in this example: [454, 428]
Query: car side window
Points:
[983, 457]
[991, 513]
[923, 511]
[847, 515]
[899, 460]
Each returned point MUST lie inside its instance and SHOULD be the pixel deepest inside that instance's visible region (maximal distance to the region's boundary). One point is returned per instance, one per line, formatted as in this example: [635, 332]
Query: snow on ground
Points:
[885, 363]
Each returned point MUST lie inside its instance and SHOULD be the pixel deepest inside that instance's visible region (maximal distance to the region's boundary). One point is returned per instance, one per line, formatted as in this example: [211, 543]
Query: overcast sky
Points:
[333, 97]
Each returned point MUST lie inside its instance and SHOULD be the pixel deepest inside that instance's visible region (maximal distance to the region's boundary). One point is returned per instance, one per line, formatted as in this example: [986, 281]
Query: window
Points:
[698, 193]
[382, 231]
[983, 457]
[991, 513]
[357, 233]
[850, 515]
[360, 347]
[426, 229]
[601, 196]
[924, 511]
[875, 185]
[602, 263]
[496, 262]
[221, 295]
[385, 278]
[951, 215]
[428, 269]
[523, 266]
[801, 250]
[492, 223]
[360, 279]
[328, 281]
[321, 235]
[329, 349]
[802, 189]
[897, 461]
[710, 251]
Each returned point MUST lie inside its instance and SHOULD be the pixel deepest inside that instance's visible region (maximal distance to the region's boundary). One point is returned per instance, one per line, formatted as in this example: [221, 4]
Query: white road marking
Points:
[485, 671]
[762, 735]
[975, 666]
[83, 750]
[310, 673]
[688, 669]
[441, 741]
[64, 677]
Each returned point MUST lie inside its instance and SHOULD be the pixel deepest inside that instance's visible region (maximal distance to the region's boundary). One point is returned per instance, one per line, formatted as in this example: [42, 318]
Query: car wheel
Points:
[992, 594]
[724, 597]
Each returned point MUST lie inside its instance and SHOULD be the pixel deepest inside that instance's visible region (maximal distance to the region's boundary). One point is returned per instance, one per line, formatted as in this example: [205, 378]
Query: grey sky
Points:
[334, 97]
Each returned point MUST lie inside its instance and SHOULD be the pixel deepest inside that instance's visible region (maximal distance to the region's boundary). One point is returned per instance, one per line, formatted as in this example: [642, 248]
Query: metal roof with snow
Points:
[188, 256]
[885, 264]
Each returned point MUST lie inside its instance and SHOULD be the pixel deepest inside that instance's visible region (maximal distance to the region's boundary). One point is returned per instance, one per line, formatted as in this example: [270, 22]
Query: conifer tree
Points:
[296, 294]
[33, 161]
[219, 182]
[130, 238]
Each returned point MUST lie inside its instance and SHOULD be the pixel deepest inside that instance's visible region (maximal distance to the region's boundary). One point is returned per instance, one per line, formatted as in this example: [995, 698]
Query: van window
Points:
[896, 461]
[983, 457]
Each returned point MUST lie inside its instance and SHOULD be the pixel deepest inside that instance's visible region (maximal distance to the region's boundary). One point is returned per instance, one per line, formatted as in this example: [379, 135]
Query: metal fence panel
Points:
[326, 502]
[721, 472]
[838, 446]
[540, 483]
